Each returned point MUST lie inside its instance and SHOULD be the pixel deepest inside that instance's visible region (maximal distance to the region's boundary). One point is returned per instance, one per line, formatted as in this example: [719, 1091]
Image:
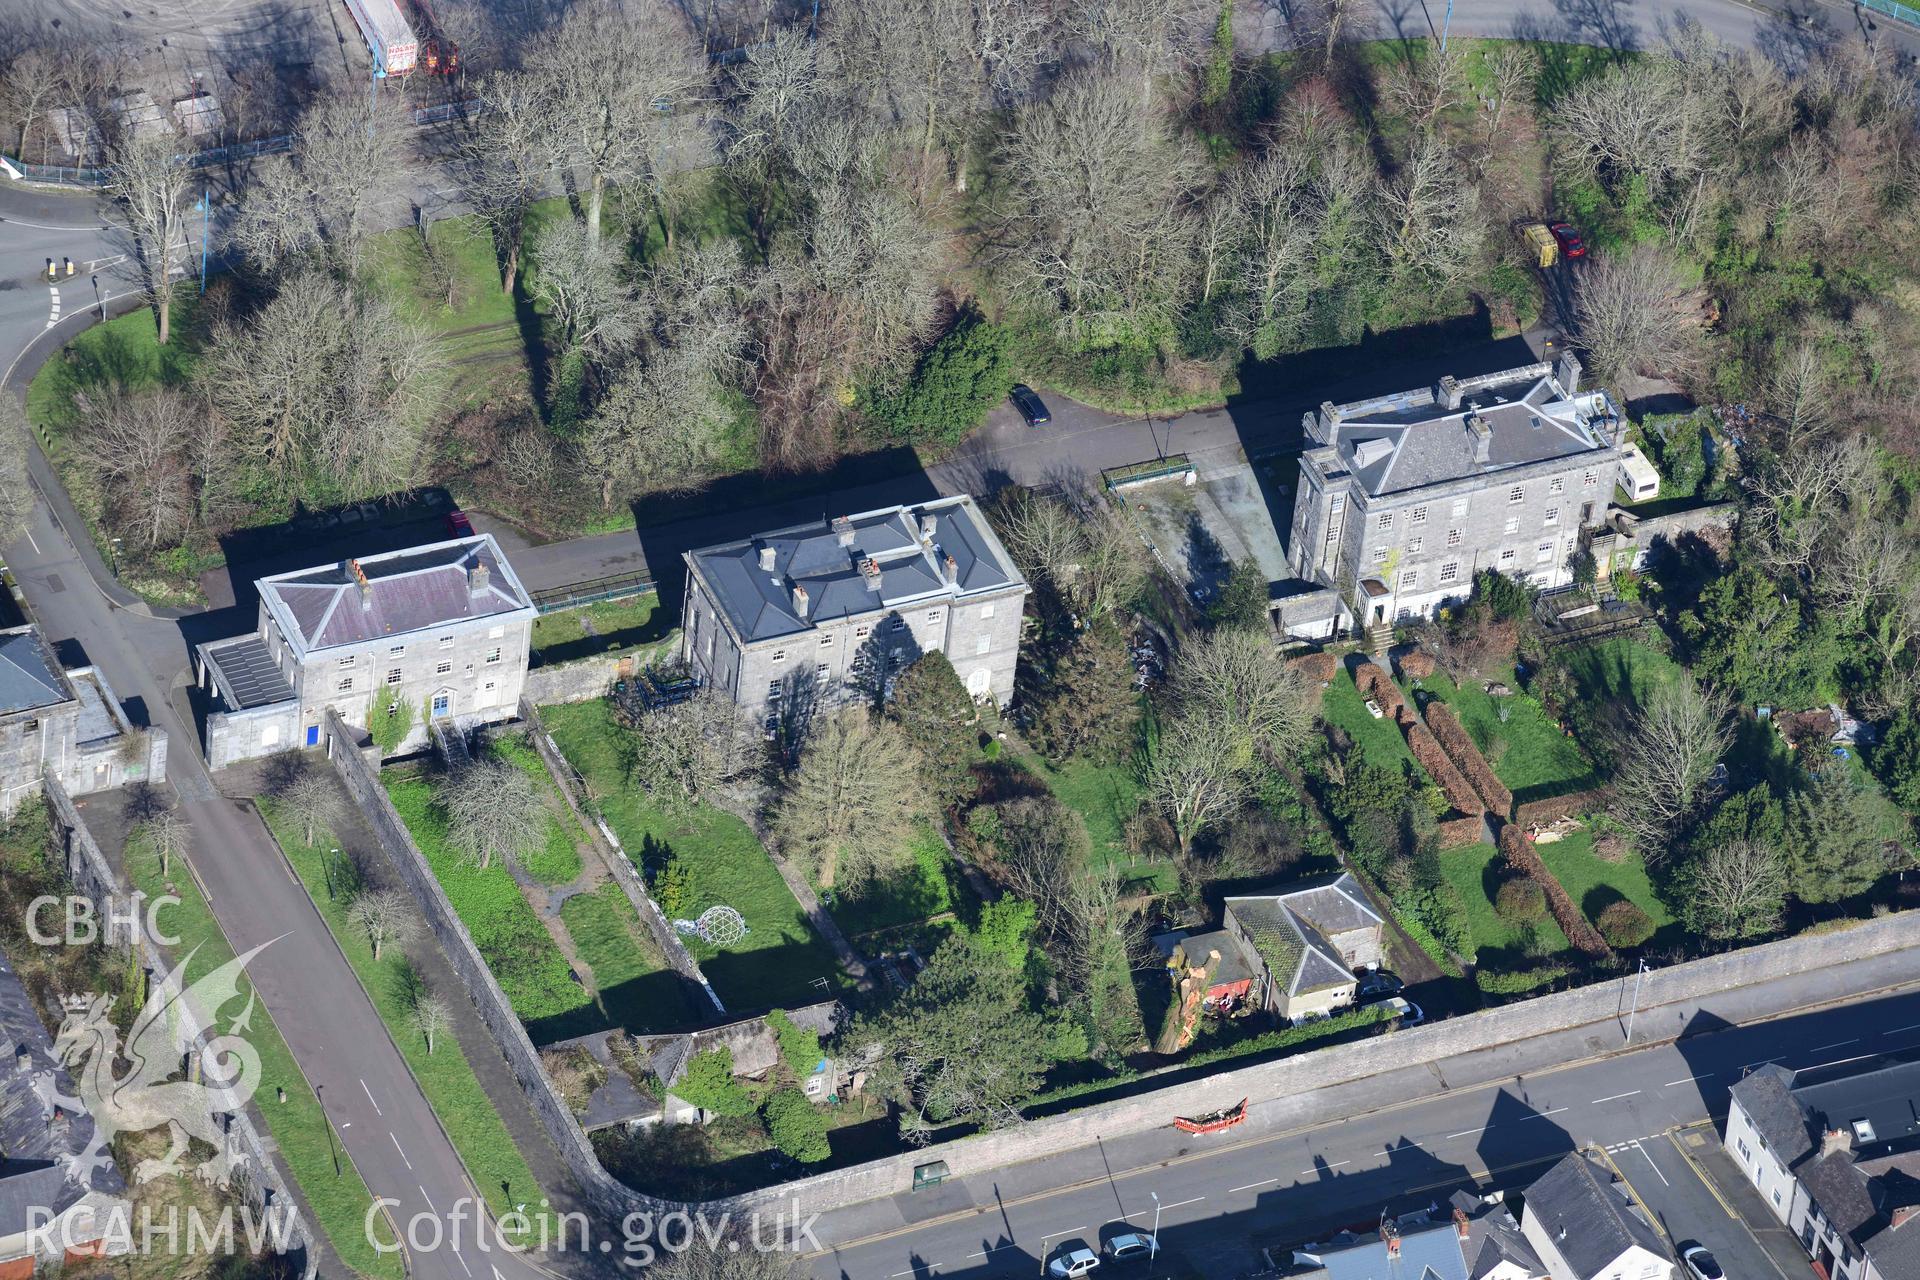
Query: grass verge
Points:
[444, 1074]
[339, 1201]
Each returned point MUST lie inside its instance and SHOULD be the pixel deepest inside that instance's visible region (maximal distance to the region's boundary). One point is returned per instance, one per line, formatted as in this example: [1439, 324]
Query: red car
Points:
[1571, 245]
[458, 525]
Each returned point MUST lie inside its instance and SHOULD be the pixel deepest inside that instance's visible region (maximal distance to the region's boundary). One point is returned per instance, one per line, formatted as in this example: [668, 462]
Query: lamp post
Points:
[205, 206]
[1153, 1241]
[319, 1093]
[1639, 977]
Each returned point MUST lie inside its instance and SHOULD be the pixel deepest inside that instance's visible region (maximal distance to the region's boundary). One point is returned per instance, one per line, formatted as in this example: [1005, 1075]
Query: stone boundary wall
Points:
[1265, 1084]
[581, 680]
[611, 1199]
[94, 876]
[618, 861]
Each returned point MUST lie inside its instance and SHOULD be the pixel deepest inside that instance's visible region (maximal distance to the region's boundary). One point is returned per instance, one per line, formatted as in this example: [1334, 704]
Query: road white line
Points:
[1251, 1185]
[463, 1262]
[1178, 1203]
[403, 1154]
[32, 543]
[1615, 1097]
[1835, 1045]
[984, 1252]
[346, 1124]
[1763, 1062]
[1538, 1115]
[1317, 1168]
[429, 1199]
[1466, 1132]
[1897, 1030]
[1649, 1159]
[369, 1093]
[1704, 1075]
[41, 226]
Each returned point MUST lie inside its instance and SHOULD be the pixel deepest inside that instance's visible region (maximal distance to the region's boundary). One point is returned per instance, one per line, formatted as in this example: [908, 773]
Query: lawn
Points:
[1379, 740]
[341, 1201]
[511, 939]
[909, 896]
[445, 1075]
[780, 958]
[1528, 750]
[638, 990]
[1106, 796]
[1594, 882]
[1619, 668]
[1475, 871]
[607, 626]
[125, 350]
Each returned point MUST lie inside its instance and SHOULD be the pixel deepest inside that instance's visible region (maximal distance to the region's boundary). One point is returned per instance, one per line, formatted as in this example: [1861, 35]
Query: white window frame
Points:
[344, 686]
[1414, 545]
[1506, 557]
[397, 651]
[1380, 555]
[1384, 522]
[1516, 495]
[443, 668]
[1557, 485]
[1453, 537]
[1409, 579]
[446, 642]
[393, 675]
[493, 655]
[1450, 571]
[1459, 507]
[1513, 524]
[1419, 515]
[1543, 553]
[1553, 516]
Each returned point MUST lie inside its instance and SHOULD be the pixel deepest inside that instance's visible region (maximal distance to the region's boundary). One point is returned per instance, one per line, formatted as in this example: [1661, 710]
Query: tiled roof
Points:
[403, 592]
[1290, 928]
[1764, 1096]
[854, 565]
[29, 676]
[1425, 1251]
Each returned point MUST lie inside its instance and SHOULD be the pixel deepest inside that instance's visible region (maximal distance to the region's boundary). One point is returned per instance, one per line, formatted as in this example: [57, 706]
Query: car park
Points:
[1077, 1261]
[1032, 408]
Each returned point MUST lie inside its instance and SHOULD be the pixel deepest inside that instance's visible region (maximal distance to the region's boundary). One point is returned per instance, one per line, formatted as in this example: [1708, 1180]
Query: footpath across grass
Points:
[444, 1073]
[780, 959]
[339, 1201]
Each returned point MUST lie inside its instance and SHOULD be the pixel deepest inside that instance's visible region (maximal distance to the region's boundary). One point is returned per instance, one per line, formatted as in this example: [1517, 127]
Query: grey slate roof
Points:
[1290, 929]
[416, 589]
[1418, 441]
[1778, 1119]
[249, 671]
[1427, 1251]
[29, 676]
[758, 603]
[1493, 1238]
[1589, 1216]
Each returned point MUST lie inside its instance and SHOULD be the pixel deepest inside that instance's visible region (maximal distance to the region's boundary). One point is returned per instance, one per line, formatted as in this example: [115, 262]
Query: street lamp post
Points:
[1153, 1241]
[1639, 977]
[319, 1092]
[206, 204]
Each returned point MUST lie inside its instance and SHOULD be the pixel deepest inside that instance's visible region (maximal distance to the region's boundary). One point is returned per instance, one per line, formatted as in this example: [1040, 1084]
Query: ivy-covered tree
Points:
[964, 374]
[1749, 636]
[932, 706]
[1837, 834]
[1088, 707]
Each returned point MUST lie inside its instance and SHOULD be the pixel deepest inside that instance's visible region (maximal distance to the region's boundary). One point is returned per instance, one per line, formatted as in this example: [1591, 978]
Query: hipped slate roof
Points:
[825, 558]
[1290, 929]
[1588, 1216]
[1493, 1238]
[417, 589]
[1411, 440]
[1426, 1251]
[29, 676]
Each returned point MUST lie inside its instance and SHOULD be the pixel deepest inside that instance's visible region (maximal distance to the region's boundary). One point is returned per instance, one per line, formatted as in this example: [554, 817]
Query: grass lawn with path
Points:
[914, 893]
[778, 960]
[638, 990]
[298, 1126]
[1378, 738]
[444, 1074]
[1527, 750]
[1475, 871]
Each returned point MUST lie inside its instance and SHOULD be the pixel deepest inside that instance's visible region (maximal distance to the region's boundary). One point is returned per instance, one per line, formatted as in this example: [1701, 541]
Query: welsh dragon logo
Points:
[168, 1034]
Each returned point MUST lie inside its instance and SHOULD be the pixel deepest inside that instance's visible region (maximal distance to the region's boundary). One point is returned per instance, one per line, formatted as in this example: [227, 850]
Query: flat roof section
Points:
[248, 673]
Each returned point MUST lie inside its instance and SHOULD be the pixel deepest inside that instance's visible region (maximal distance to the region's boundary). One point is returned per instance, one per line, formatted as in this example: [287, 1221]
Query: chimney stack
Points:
[949, 570]
[767, 556]
[1460, 1223]
[359, 576]
[870, 570]
[927, 528]
[1568, 371]
[843, 530]
[1390, 1233]
[1901, 1216]
[478, 579]
[1448, 392]
[799, 600]
[1835, 1140]
[1482, 433]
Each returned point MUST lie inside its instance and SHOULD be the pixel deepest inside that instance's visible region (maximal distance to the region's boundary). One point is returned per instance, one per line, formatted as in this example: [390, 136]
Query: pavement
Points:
[1489, 1120]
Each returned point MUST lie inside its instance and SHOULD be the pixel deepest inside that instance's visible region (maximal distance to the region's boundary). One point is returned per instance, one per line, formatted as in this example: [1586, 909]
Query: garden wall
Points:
[93, 876]
[581, 680]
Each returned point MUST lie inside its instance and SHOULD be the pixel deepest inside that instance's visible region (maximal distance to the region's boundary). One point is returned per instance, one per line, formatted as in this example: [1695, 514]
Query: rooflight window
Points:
[1863, 1131]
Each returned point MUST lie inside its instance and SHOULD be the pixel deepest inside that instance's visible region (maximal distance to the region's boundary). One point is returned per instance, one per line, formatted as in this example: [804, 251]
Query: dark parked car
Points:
[1377, 984]
[458, 525]
[1030, 405]
[1571, 245]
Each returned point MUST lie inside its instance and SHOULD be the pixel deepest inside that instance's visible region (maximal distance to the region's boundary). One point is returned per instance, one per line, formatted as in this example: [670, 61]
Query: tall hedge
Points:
[959, 378]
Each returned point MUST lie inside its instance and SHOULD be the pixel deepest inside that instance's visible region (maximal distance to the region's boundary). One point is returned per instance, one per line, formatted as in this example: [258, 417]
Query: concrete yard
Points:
[1234, 511]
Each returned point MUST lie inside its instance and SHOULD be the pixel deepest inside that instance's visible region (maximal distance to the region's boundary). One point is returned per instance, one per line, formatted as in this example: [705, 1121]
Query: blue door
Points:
[313, 735]
[440, 705]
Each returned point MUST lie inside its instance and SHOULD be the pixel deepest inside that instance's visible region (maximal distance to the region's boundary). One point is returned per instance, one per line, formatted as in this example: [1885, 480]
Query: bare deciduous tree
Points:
[1195, 777]
[431, 1016]
[493, 811]
[1230, 681]
[503, 161]
[1800, 400]
[147, 177]
[1653, 118]
[577, 276]
[312, 800]
[16, 490]
[137, 444]
[614, 77]
[1078, 547]
[29, 85]
[1639, 313]
[849, 807]
[657, 429]
[717, 1261]
[351, 153]
[385, 916]
[1515, 71]
[167, 834]
[1736, 889]
[1429, 217]
[679, 753]
[1665, 754]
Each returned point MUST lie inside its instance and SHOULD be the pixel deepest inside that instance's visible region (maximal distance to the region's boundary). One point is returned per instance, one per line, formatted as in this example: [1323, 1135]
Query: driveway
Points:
[1665, 1174]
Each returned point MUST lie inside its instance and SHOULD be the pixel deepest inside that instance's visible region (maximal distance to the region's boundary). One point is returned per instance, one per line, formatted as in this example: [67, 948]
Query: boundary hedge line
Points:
[1466, 757]
[1517, 848]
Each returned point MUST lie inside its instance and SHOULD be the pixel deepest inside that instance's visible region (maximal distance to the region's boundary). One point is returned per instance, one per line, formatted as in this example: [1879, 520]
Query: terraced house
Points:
[836, 607]
[443, 629]
[1402, 499]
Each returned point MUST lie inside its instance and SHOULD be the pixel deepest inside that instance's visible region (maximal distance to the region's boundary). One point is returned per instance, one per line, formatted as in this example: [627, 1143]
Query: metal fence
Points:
[554, 599]
[81, 176]
[1894, 9]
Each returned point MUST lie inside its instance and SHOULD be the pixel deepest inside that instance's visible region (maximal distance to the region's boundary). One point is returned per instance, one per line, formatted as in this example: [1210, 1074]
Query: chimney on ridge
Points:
[799, 600]
[478, 579]
[843, 530]
[928, 525]
[767, 556]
